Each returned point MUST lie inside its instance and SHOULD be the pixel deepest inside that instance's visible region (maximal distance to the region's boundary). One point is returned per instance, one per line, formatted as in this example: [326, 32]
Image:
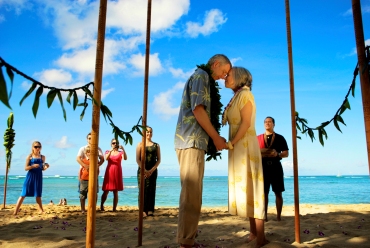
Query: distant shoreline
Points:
[174, 176]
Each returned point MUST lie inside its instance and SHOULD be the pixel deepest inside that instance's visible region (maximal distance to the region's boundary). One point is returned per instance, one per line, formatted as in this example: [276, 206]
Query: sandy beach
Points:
[64, 226]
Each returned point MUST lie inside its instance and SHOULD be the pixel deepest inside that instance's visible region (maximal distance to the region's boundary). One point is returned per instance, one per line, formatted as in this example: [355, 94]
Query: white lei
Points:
[224, 114]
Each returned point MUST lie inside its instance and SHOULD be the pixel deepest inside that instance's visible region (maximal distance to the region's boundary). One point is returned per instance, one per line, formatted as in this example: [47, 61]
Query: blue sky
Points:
[55, 43]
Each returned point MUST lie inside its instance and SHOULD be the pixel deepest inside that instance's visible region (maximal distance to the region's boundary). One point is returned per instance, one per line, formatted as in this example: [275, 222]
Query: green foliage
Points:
[9, 136]
[53, 92]
[301, 123]
[216, 111]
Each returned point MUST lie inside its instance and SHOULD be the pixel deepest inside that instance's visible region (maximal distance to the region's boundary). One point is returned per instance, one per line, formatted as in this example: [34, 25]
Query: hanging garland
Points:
[216, 111]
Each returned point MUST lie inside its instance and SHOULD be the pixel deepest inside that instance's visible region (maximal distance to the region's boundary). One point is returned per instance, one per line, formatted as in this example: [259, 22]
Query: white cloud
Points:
[63, 143]
[234, 60]
[162, 103]
[179, 73]
[213, 20]
[348, 12]
[74, 23]
[365, 9]
[60, 78]
[354, 50]
[138, 62]
[130, 17]
[17, 5]
[83, 61]
[104, 93]
[54, 77]
[75, 26]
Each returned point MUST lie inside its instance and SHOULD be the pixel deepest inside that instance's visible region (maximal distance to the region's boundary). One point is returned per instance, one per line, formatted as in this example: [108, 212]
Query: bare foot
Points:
[251, 237]
[278, 219]
[185, 246]
[197, 245]
[265, 242]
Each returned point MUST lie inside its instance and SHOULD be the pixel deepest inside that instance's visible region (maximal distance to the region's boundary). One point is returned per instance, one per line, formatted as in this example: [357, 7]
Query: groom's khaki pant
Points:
[191, 162]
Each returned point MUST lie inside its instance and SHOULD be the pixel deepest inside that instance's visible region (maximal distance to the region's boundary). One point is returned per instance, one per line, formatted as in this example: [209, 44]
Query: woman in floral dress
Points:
[246, 188]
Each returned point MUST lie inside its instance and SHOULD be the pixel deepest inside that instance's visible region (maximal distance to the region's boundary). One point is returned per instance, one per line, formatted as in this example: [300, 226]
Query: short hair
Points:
[87, 136]
[242, 77]
[219, 57]
[87, 148]
[273, 120]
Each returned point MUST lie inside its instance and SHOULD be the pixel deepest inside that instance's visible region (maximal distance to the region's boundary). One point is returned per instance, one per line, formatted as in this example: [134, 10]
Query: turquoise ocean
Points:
[312, 190]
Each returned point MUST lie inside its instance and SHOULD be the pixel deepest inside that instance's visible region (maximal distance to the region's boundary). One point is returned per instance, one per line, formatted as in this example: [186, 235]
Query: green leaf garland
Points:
[216, 111]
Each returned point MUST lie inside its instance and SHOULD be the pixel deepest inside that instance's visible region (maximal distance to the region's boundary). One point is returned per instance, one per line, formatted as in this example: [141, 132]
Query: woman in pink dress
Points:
[113, 180]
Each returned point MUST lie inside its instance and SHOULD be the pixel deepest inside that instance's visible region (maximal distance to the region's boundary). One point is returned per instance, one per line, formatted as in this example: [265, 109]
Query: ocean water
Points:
[312, 189]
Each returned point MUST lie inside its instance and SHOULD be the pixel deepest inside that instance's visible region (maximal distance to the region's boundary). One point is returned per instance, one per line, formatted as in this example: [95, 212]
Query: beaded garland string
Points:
[216, 109]
[224, 119]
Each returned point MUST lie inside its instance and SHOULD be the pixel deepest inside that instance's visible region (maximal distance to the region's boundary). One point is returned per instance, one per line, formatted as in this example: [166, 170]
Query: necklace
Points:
[265, 137]
[216, 108]
[224, 114]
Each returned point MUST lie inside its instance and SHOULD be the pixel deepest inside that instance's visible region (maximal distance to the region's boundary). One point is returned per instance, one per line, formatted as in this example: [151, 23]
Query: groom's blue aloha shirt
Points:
[189, 134]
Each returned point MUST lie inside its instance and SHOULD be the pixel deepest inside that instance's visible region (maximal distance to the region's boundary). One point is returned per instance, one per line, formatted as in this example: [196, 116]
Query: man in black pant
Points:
[273, 149]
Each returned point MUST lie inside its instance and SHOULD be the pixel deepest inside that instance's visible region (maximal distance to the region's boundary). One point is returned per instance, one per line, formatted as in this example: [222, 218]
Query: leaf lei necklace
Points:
[216, 109]
[224, 114]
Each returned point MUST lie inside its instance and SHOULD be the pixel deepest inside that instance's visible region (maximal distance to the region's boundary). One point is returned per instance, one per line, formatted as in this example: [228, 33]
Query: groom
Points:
[193, 131]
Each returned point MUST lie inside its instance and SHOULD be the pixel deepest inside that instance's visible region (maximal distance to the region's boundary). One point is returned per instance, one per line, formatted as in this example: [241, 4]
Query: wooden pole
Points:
[145, 106]
[363, 70]
[5, 183]
[93, 171]
[294, 130]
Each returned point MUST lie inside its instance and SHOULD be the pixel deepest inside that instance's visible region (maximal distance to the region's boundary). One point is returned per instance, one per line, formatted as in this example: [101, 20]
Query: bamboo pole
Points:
[294, 130]
[93, 172]
[5, 184]
[363, 70]
[145, 106]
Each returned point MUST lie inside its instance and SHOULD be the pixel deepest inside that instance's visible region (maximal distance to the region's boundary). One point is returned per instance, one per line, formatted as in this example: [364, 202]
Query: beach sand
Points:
[64, 226]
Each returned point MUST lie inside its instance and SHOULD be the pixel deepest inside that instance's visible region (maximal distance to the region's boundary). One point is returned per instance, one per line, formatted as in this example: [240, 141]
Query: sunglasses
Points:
[113, 143]
[89, 138]
[37, 147]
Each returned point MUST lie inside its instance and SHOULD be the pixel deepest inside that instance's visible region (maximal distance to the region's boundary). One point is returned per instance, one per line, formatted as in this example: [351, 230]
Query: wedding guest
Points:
[193, 130]
[113, 180]
[246, 188]
[152, 161]
[84, 178]
[32, 186]
[81, 156]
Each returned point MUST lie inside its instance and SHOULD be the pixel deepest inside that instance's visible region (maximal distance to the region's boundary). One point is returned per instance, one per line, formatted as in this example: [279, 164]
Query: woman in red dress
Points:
[113, 180]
